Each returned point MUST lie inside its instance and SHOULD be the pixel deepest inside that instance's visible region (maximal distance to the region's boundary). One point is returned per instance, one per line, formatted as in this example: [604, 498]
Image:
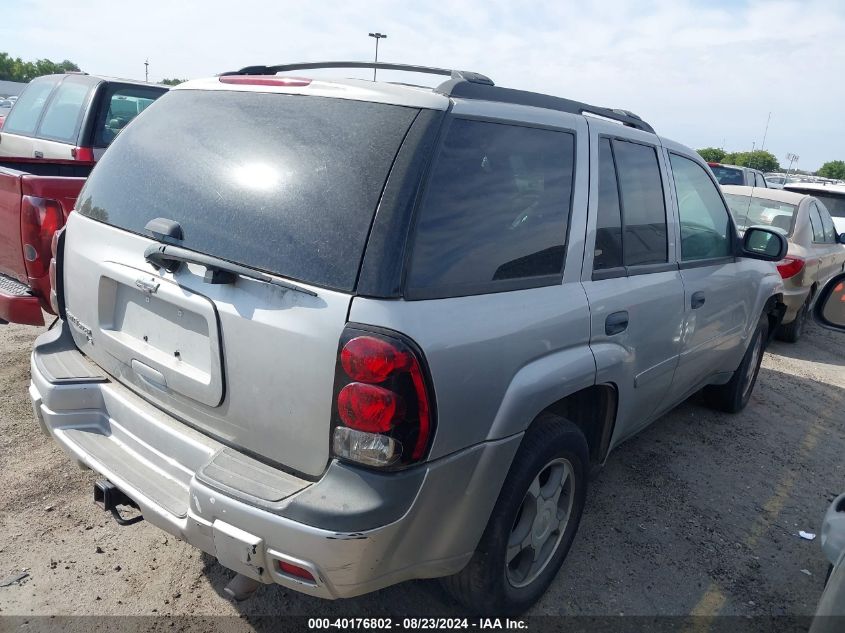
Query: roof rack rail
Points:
[458, 75]
[470, 90]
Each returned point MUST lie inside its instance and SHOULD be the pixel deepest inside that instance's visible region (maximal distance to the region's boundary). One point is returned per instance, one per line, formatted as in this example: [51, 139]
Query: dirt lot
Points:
[698, 514]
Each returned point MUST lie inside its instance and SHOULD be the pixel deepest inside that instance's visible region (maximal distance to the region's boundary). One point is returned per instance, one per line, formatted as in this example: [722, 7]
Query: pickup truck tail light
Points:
[85, 154]
[383, 414]
[40, 219]
[790, 266]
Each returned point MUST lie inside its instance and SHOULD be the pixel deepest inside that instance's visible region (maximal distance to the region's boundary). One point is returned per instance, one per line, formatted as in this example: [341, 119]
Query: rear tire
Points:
[791, 332]
[533, 524]
[733, 396]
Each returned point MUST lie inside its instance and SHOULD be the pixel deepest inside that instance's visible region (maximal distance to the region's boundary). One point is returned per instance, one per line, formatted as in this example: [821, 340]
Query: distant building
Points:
[10, 88]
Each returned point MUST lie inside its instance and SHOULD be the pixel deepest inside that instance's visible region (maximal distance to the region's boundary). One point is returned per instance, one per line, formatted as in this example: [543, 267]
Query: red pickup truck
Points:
[36, 196]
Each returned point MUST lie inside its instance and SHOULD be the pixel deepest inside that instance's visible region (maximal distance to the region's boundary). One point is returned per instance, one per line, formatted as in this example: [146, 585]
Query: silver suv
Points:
[342, 334]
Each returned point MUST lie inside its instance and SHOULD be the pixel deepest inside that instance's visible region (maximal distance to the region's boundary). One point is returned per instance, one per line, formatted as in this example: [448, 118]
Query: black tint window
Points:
[608, 251]
[643, 208]
[120, 105]
[63, 115]
[496, 210]
[728, 175]
[283, 183]
[23, 118]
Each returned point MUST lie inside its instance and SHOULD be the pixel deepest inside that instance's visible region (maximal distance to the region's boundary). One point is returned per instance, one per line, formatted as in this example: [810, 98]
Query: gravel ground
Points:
[698, 514]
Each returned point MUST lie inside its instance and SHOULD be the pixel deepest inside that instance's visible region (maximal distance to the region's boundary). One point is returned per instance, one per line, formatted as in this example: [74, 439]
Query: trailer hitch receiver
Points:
[108, 497]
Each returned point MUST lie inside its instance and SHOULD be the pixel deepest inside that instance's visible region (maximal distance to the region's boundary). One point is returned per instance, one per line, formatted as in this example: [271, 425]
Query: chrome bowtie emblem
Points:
[147, 285]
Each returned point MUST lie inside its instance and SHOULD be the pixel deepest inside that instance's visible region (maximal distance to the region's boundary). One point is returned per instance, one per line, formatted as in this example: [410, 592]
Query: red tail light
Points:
[85, 154]
[790, 266]
[383, 415]
[40, 219]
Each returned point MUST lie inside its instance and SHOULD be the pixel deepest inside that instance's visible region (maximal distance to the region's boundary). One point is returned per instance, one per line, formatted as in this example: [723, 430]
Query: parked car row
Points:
[367, 332]
[816, 251]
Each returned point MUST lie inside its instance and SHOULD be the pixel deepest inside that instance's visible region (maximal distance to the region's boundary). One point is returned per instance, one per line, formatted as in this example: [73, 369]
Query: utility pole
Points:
[378, 36]
[147, 69]
[763, 146]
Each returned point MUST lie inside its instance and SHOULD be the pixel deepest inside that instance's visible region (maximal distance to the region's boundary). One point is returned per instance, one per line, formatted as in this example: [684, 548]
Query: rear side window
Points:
[120, 104]
[23, 118]
[827, 225]
[64, 113]
[643, 205]
[816, 223]
[287, 184]
[706, 230]
[608, 250]
[495, 212]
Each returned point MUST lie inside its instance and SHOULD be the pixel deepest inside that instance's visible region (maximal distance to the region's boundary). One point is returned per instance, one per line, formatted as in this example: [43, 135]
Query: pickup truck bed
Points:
[36, 197]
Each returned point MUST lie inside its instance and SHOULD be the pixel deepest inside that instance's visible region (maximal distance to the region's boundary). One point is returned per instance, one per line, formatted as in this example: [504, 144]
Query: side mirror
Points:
[841, 238]
[763, 243]
[829, 309]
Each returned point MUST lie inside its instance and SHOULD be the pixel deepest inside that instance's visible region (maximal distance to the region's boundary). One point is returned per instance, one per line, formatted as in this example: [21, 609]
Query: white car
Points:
[833, 197]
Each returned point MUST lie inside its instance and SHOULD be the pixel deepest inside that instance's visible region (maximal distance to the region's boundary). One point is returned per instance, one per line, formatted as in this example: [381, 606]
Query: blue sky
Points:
[703, 73]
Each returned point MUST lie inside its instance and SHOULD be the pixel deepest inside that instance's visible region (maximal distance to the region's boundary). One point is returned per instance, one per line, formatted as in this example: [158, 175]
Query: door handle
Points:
[697, 300]
[38, 154]
[616, 323]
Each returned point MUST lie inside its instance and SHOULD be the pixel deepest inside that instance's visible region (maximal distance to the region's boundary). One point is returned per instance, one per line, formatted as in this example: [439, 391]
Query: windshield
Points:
[748, 211]
[728, 175]
[288, 184]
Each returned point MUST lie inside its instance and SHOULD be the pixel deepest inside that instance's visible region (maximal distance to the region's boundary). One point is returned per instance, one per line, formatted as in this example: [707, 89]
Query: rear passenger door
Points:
[630, 274]
[834, 253]
[718, 293]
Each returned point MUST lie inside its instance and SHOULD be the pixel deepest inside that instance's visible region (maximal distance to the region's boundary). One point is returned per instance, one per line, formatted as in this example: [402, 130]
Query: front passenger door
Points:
[719, 288]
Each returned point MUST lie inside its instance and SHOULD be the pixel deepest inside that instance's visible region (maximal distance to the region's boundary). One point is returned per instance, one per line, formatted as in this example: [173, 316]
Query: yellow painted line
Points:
[711, 603]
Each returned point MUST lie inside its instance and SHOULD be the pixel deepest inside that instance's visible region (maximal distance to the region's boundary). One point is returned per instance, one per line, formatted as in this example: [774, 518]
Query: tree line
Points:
[765, 161]
[16, 69]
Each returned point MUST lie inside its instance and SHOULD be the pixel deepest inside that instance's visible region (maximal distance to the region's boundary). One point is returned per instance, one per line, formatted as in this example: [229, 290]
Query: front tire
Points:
[532, 525]
[734, 396]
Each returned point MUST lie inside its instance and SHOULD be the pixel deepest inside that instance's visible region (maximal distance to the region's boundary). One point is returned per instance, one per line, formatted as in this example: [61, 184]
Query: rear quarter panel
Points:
[496, 360]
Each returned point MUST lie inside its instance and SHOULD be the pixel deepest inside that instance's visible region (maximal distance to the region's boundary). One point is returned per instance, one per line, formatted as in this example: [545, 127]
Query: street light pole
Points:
[147, 69]
[378, 37]
[763, 145]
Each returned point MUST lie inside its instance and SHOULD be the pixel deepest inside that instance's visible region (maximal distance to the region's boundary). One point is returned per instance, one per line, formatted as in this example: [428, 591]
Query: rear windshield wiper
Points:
[218, 271]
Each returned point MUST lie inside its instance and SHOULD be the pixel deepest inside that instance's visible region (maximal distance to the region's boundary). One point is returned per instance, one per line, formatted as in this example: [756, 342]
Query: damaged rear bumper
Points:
[354, 530]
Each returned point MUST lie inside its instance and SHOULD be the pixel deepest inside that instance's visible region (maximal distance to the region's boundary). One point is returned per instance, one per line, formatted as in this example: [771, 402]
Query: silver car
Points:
[816, 251]
[368, 332]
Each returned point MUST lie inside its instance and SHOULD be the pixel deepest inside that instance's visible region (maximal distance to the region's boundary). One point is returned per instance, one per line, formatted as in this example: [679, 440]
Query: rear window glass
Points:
[283, 183]
[748, 211]
[120, 105]
[495, 212]
[728, 175]
[832, 202]
[23, 118]
[64, 114]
